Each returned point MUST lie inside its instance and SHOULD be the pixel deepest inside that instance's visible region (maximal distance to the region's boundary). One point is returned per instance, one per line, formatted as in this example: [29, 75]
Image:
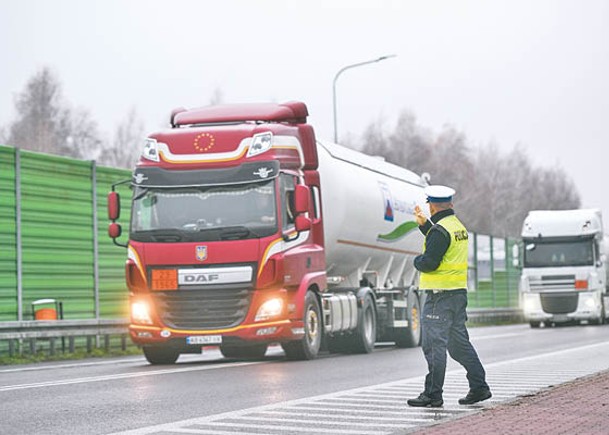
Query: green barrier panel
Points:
[62, 203]
[57, 236]
[8, 236]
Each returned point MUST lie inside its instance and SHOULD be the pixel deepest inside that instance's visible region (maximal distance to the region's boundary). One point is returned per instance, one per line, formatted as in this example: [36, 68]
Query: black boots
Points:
[475, 396]
[425, 401]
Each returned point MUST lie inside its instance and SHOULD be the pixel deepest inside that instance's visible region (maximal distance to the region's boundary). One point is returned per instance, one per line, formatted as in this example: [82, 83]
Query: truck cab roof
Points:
[562, 223]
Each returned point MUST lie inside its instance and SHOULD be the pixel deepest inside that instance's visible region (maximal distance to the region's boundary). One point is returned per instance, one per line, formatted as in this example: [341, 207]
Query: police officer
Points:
[443, 267]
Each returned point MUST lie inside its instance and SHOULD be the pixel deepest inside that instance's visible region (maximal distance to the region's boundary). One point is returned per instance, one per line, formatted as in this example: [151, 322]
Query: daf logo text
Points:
[201, 278]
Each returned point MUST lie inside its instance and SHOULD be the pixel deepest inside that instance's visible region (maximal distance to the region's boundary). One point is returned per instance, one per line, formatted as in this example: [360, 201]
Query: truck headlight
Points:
[531, 303]
[269, 309]
[140, 313]
[590, 302]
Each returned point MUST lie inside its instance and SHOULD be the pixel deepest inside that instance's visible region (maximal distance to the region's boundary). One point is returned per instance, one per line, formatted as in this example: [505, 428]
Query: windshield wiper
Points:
[163, 235]
[235, 233]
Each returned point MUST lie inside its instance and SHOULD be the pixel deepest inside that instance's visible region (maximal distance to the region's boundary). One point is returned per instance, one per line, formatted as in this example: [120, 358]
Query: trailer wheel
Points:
[410, 336]
[160, 355]
[255, 351]
[365, 337]
[308, 346]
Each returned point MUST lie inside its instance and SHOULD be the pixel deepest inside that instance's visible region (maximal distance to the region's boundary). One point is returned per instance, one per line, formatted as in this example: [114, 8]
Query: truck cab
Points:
[564, 274]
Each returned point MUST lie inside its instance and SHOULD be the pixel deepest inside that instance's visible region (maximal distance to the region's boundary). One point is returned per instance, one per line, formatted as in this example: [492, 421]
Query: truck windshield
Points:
[199, 214]
[558, 254]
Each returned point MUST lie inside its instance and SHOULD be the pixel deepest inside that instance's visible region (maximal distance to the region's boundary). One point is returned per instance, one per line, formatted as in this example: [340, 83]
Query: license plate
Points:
[204, 339]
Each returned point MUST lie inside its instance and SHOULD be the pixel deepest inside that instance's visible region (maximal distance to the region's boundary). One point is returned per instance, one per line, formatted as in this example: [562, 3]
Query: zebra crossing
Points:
[382, 409]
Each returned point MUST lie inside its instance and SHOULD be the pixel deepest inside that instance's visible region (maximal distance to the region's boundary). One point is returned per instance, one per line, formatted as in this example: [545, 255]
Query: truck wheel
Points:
[307, 347]
[410, 336]
[534, 324]
[255, 351]
[160, 355]
[365, 336]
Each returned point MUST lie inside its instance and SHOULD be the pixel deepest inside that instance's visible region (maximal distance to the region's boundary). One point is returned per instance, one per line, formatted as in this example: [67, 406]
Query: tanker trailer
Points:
[245, 231]
[371, 239]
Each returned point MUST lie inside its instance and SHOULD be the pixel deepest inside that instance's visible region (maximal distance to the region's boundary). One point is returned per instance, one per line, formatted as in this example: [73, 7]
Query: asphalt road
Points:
[113, 395]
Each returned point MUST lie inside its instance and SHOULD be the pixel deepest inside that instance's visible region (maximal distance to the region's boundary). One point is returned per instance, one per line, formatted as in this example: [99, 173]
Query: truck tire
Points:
[411, 335]
[160, 355]
[254, 351]
[534, 324]
[365, 337]
[308, 346]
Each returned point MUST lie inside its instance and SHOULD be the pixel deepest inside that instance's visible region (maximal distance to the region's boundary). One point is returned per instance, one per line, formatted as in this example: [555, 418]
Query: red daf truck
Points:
[247, 231]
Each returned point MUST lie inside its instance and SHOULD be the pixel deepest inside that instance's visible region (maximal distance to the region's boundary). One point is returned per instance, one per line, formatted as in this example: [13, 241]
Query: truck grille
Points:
[203, 308]
[552, 282]
[559, 303]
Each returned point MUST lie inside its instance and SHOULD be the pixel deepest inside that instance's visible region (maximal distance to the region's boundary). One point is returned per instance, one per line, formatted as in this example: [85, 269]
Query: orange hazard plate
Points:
[164, 279]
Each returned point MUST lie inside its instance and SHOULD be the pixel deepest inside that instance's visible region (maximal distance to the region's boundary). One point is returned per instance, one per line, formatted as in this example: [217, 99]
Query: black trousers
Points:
[444, 329]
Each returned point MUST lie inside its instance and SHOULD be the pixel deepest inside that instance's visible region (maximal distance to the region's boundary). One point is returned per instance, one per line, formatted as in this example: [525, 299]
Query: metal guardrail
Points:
[27, 334]
[61, 328]
[489, 315]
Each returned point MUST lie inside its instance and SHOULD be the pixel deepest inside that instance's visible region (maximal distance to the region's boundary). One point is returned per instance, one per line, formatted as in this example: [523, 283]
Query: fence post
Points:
[18, 238]
[95, 240]
[507, 270]
[476, 269]
[95, 246]
[493, 286]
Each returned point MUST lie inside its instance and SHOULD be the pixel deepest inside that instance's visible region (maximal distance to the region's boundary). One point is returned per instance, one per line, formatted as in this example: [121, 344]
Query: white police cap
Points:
[439, 193]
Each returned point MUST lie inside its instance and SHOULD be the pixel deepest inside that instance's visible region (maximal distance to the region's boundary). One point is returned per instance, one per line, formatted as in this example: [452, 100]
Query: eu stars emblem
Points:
[204, 142]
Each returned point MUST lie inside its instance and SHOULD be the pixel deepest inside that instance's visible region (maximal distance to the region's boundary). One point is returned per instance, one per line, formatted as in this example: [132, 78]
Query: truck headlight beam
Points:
[269, 309]
[140, 313]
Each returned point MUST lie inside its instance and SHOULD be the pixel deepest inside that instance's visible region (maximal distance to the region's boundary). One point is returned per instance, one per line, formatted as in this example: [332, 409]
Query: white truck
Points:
[564, 268]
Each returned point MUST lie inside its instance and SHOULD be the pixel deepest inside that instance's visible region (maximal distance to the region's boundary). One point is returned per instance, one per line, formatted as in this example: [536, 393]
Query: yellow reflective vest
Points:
[451, 274]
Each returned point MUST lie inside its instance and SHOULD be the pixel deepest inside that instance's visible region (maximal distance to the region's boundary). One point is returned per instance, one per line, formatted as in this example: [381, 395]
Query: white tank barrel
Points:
[369, 225]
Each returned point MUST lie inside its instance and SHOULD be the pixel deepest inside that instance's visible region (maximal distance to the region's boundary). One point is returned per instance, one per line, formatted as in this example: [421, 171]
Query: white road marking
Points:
[114, 377]
[513, 378]
[71, 365]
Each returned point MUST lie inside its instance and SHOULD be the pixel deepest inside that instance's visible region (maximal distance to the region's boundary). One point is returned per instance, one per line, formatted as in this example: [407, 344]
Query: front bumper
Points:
[587, 306]
[265, 332]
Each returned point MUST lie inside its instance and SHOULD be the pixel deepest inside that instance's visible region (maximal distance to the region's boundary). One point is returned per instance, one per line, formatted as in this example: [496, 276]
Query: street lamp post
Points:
[343, 69]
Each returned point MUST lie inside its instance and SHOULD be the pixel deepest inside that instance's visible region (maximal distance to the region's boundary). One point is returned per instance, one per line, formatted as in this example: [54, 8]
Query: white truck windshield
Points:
[204, 213]
[558, 254]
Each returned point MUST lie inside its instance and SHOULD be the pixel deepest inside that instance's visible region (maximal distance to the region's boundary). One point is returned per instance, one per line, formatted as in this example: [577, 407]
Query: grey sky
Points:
[528, 72]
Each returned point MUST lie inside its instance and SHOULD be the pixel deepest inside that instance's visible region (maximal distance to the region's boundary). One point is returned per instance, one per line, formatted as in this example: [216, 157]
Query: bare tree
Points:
[46, 123]
[40, 114]
[127, 145]
[495, 190]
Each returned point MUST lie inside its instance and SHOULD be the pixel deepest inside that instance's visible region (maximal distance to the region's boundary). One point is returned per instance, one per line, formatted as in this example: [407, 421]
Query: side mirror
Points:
[301, 199]
[302, 223]
[114, 206]
[114, 230]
